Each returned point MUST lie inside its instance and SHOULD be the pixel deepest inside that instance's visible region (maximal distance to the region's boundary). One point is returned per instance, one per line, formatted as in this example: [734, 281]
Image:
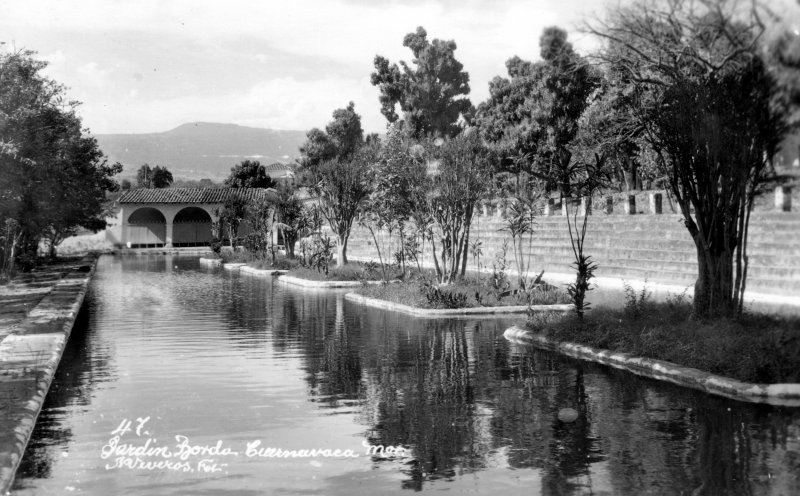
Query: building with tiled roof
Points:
[175, 217]
[191, 195]
[281, 172]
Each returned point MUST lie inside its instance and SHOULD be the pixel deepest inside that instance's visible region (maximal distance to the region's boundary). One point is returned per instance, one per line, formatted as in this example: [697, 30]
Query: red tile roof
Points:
[277, 166]
[191, 195]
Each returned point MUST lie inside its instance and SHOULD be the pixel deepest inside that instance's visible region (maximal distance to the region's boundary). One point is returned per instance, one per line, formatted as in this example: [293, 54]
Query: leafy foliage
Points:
[636, 304]
[442, 298]
[532, 118]
[53, 178]
[153, 177]
[249, 174]
[431, 95]
[698, 87]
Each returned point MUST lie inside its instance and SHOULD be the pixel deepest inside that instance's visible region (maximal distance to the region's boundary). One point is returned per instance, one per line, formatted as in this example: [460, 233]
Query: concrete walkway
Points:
[38, 311]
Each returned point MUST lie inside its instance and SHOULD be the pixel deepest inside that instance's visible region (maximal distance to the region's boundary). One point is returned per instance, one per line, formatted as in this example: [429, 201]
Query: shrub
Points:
[636, 303]
[441, 298]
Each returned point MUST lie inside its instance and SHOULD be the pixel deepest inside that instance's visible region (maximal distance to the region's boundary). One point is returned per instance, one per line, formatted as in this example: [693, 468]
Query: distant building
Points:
[282, 173]
[175, 217]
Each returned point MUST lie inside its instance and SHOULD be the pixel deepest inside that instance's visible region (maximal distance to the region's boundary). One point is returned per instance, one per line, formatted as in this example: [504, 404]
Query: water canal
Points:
[219, 368]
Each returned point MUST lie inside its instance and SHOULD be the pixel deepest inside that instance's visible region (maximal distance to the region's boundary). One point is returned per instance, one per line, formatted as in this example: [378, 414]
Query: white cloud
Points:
[228, 62]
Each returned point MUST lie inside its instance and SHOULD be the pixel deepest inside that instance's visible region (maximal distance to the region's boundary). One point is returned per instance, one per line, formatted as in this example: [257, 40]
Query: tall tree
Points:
[532, 118]
[52, 177]
[154, 177]
[342, 188]
[432, 95]
[459, 177]
[249, 174]
[342, 138]
[700, 90]
[338, 162]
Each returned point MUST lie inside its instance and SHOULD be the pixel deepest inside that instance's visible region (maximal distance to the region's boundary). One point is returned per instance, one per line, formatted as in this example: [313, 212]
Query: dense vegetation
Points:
[53, 177]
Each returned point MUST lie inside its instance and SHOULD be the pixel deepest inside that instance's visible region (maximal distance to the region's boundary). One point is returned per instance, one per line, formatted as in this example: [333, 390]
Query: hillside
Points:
[201, 149]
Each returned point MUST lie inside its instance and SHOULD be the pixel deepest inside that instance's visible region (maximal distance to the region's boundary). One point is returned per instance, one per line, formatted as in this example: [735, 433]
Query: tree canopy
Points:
[153, 177]
[432, 94]
[340, 141]
[53, 177]
[249, 174]
[532, 117]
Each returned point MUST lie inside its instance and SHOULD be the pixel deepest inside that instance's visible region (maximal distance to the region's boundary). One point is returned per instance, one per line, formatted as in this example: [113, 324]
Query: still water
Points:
[180, 379]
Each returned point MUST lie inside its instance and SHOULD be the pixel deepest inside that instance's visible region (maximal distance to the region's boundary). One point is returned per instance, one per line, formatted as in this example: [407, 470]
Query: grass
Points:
[412, 293]
[756, 348]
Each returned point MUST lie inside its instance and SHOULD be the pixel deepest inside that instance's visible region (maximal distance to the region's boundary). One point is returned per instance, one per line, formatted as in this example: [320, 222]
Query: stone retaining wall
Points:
[29, 357]
[656, 247]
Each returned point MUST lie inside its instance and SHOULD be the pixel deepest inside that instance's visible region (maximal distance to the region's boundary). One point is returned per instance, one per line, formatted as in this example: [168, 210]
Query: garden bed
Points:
[462, 295]
[757, 348]
[453, 312]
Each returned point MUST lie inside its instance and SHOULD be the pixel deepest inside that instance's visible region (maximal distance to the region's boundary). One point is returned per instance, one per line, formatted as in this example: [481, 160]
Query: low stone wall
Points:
[29, 357]
[454, 312]
[774, 394]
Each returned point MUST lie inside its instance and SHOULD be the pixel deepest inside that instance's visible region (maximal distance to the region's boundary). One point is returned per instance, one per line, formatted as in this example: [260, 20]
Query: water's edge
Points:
[773, 394]
[29, 358]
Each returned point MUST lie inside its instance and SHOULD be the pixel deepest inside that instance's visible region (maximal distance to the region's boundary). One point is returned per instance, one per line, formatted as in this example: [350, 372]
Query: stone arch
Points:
[191, 227]
[146, 228]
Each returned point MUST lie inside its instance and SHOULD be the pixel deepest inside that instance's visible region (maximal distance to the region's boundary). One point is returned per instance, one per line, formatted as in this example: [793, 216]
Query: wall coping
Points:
[34, 349]
[452, 312]
[309, 283]
[261, 272]
[787, 394]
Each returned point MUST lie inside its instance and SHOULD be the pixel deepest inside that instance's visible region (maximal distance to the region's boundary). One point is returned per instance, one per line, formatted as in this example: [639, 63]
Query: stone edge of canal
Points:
[29, 358]
[774, 394]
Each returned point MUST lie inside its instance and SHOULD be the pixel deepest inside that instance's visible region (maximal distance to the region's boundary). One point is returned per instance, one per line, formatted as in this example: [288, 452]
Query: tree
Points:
[342, 138]
[126, 185]
[699, 89]
[233, 212]
[431, 95]
[338, 161]
[532, 118]
[78, 190]
[249, 174]
[261, 214]
[342, 187]
[156, 177]
[293, 222]
[461, 178]
[53, 178]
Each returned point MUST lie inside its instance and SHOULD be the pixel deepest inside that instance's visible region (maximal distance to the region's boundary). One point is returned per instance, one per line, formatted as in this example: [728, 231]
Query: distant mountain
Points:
[201, 149]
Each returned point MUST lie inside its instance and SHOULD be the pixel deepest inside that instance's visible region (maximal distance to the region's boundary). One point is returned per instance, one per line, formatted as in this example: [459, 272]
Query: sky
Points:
[149, 66]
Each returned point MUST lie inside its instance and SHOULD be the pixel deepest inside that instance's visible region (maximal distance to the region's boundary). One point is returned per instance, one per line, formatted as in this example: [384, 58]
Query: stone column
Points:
[783, 198]
[586, 206]
[655, 203]
[630, 205]
[549, 207]
[168, 241]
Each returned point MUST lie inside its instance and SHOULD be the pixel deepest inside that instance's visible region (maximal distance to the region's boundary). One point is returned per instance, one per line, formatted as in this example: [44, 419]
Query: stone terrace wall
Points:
[635, 247]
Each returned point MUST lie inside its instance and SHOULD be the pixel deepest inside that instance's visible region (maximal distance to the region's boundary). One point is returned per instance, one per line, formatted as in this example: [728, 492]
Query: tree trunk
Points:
[465, 248]
[341, 251]
[713, 290]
